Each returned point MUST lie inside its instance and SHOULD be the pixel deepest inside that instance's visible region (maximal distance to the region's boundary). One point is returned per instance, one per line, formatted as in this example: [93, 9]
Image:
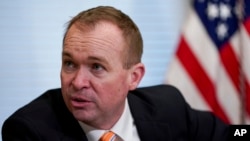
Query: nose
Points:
[81, 79]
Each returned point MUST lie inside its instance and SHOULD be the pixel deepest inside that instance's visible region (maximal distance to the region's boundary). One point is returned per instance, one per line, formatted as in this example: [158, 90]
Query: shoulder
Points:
[45, 118]
[166, 104]
[42, 104]
[34, 118]
[40, 107]
[163, 99]
[159, 93]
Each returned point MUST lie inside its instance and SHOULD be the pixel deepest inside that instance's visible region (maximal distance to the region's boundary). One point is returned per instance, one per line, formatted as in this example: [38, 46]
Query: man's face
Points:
[94, 82]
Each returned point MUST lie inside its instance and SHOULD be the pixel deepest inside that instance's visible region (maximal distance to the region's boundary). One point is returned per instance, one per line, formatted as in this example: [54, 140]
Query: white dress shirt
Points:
[124, 127]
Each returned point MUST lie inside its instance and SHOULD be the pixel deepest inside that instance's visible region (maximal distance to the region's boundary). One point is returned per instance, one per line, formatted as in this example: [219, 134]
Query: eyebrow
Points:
[91, 58]
[98, 59]
[65, 53]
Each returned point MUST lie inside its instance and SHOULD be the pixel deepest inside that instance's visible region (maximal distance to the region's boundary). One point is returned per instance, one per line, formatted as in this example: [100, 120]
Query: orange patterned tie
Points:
[108, 136]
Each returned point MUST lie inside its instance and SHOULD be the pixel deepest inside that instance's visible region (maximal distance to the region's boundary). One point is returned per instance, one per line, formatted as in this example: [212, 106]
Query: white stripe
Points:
[178, 77]
[228, 96]
[113, 138]
[246, 52]
[235, 42]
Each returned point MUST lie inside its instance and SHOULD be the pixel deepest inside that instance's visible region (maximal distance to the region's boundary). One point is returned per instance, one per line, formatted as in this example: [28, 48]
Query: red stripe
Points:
[200, 78]
[231, 64]
[247, 25]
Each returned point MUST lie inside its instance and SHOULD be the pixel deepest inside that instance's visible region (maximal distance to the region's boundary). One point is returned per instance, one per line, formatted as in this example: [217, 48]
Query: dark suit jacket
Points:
[160, 114]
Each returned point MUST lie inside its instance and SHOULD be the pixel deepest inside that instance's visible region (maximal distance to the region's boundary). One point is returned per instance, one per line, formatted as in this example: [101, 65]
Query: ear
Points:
[136, 74]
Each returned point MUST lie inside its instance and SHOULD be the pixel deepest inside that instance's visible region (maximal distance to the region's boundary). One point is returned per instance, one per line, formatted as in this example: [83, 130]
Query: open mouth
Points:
[77, 102]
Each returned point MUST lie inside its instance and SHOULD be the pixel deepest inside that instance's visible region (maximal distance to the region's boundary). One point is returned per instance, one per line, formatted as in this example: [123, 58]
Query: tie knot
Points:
[108, 136]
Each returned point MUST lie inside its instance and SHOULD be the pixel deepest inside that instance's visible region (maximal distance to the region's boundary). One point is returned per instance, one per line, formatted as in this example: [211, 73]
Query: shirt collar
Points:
[125, 124]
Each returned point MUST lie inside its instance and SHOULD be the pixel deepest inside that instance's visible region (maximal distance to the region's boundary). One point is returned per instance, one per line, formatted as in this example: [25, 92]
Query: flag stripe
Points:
[247, 89]
[231, 64]
[226, 94]
[247, 25]
[197, 73]
[185, 84]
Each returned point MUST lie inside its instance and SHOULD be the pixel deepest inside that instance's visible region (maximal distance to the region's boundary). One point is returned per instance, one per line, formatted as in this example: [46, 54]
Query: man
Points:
[101, 69]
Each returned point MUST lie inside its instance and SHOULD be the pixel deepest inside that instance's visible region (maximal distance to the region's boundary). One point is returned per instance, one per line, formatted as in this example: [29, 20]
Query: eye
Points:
[68, 65]
[97, 67]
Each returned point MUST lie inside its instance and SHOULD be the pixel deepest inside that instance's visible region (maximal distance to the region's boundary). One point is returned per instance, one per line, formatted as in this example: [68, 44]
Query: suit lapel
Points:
[150, 131]
[144, 114]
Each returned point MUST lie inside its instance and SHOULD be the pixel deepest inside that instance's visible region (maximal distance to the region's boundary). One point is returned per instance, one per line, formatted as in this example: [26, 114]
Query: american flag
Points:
[211, 65]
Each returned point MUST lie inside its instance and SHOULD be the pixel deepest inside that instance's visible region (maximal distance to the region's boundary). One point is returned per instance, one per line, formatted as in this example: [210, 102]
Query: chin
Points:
[81, 115]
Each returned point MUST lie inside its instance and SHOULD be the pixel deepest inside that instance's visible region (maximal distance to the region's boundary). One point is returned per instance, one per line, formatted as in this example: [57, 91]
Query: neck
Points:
[106, 123]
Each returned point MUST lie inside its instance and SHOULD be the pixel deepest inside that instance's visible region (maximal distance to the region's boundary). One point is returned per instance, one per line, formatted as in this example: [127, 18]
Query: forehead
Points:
[104, 40]
[103, 33]
[102, 30]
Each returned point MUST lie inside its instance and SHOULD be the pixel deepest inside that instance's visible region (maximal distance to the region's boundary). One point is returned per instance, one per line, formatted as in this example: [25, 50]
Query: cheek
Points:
[65, 79]
[112, 96]
[115, 86]
[63, 83]
[65, 86]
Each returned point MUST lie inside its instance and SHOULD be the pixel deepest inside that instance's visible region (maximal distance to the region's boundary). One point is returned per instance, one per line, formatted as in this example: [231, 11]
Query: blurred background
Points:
[203, 49]
[31, 41]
